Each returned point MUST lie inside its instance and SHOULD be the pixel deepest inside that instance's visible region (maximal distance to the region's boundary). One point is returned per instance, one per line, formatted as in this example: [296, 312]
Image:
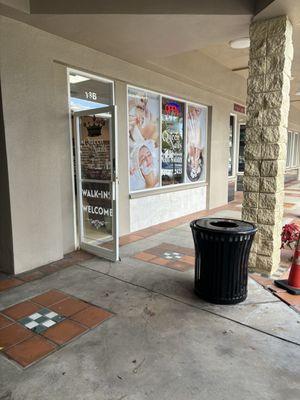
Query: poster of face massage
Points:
[195, 143]
[144, 141]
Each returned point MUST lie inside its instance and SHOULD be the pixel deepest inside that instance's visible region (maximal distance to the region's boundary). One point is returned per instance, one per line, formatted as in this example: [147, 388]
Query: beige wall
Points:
[33, 75]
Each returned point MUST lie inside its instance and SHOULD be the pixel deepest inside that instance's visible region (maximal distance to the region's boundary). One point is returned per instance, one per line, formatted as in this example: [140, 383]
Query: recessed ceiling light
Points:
[77, 78]
[242, 43]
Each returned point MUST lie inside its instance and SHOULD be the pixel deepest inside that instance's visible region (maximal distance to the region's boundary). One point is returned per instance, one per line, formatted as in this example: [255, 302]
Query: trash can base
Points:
[218, 300]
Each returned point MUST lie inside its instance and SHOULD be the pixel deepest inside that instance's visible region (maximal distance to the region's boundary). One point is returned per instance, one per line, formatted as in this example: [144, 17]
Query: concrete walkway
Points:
[163, 342]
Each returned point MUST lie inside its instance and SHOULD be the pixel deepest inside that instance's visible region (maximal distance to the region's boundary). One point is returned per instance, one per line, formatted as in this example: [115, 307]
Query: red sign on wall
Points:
[239, 108]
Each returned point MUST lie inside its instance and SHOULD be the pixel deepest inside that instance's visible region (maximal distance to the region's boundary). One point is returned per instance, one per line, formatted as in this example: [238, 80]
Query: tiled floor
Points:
[34, 328]
[7, 281]
[168, 255]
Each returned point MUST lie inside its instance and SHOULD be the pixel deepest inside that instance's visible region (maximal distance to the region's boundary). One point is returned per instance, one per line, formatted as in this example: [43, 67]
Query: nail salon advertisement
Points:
[195, 143]
[172, 141]
[144, 139]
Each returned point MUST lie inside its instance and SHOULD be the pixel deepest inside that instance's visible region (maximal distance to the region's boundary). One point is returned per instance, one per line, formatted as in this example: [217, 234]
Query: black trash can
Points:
[222, 248]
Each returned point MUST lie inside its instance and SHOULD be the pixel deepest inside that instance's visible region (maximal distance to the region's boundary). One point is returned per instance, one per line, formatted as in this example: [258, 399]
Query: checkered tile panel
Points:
[41, 320]
[171, 255]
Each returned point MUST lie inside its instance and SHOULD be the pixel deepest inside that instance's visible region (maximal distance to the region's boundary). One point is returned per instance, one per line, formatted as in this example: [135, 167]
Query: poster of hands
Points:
[144, 139]
[195, 143]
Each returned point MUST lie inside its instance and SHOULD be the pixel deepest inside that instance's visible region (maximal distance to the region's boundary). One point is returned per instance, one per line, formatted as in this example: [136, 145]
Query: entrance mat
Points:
[169, 255]
[32, 329]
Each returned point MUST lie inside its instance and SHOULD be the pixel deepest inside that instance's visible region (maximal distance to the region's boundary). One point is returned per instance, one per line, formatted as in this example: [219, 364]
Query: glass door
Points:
[97, 182]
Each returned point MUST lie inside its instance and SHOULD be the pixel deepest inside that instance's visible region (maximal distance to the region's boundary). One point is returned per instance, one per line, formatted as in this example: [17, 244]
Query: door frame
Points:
[98, 250]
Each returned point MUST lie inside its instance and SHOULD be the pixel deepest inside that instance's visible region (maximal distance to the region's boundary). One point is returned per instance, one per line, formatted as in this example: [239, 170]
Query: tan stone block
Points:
[271, 201]
[255, 84]
[258, 47]
[266, 216]
[276, 46]
[252, 261]
[259, 29]
[252, 168]
[278, 26]
[267, 200]
[272, 117]
[252, 151]
[274, 134]
[249, 214]
[264, 263]
[253, 134]
[268, 232]
[275, 82]
[265, 247]
[255, 118]
[251, 184]
[272, 168]
[250, 200]
[257, 66]
[275, 64]
[273, 151]
[271, 184]
[268, 264]
[289, 50]
[272, 99]
[285, 114]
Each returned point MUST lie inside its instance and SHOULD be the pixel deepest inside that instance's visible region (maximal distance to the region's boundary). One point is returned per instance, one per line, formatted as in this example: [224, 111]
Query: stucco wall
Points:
[33, 74]
[152, 210]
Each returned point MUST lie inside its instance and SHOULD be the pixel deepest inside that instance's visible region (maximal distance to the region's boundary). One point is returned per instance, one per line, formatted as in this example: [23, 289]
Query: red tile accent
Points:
[297, 308]
[91, 316]
[276, 289]
[30, 350]
[31, 276]
[50, 297]
[189, 260]
[69, 306]
[144, 256]
[13, 334]
[4, 321]
[290, 299]
[160, 261]
[21, 310]
[64, 331]
[261, 279]
[181, 266]
[129, 239]
[50, 268]
[9, 283]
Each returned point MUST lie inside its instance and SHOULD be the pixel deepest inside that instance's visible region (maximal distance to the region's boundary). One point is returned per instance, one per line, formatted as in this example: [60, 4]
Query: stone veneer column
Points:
[268, 102]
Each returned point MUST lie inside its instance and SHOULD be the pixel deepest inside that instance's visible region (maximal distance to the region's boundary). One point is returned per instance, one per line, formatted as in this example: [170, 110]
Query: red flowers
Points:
[290, 234]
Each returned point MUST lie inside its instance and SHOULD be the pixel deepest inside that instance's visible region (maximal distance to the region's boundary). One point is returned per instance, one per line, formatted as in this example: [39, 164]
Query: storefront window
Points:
[293, 150]
[163, 149]
[242, 148]
[195, 143]
[144, 139]
[231, 144]
[172, 141]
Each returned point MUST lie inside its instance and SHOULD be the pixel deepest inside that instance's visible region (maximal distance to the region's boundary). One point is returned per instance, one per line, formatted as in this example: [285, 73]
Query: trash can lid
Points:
[225, 225]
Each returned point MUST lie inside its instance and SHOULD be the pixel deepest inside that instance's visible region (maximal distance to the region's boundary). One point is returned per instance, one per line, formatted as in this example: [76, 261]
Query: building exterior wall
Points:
[36, 116]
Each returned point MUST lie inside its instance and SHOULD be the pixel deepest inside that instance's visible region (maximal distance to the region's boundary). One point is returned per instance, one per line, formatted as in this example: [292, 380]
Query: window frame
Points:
[238, 148]
[234, 146]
